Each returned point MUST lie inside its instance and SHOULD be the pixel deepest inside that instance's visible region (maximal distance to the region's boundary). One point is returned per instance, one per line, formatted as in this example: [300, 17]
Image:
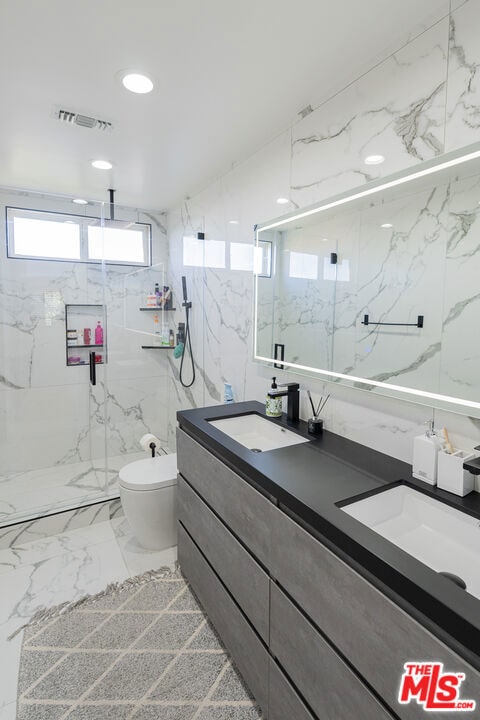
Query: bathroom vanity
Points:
[319, 612]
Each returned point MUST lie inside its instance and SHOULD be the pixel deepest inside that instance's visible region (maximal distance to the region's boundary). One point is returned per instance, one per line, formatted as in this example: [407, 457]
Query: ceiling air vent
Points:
[86, 121]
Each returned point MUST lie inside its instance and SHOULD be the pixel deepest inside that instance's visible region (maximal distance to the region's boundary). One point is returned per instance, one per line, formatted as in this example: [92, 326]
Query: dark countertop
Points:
[311, 480]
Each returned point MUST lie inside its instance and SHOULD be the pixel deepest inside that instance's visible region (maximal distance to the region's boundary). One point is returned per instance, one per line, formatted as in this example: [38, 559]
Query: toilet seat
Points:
[149, 474]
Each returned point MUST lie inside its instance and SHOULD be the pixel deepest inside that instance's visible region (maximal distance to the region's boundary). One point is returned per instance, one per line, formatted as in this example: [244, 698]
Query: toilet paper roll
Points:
[147, 439]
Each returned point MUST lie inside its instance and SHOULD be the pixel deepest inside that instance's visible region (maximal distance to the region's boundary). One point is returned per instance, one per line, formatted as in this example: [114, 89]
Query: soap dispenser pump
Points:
[425, 455]
[273, 405]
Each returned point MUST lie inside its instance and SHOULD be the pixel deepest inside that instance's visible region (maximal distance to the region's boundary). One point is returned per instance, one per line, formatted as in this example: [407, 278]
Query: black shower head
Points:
[184, 286]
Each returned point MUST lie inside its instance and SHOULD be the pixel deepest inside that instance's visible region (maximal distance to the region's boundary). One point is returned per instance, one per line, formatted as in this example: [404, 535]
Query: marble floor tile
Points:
[9, 712]
[62, 568]
[46, 490]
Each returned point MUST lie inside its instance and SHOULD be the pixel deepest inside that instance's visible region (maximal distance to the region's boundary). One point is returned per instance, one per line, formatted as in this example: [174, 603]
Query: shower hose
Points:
[186, 343]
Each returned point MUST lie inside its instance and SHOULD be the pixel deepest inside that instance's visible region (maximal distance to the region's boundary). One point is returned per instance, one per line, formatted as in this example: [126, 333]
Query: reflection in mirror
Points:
[380, 287]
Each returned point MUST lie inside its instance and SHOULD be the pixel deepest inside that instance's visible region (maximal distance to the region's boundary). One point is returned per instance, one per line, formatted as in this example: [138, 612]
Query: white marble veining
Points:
[407, 108]
[463, 89]
[51, 490]
[64, 567]
[382, 112]
[55, 428]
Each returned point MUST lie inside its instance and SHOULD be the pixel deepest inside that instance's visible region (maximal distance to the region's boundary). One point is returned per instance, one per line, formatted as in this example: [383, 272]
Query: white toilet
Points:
[147, 492]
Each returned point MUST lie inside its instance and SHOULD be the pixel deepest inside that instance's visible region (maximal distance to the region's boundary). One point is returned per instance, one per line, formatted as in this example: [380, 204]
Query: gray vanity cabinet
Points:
[240, 573]
[250, 656]
[313, 639]
[283, 701]
[322, 677]
[247, 513]
[371, 631]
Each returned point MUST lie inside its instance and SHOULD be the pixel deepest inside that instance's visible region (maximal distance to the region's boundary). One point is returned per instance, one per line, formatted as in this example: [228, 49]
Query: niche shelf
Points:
[78, 318]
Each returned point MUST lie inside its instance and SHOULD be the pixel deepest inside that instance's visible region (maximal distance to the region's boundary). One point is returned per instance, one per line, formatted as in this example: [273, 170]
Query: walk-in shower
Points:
[77, 390]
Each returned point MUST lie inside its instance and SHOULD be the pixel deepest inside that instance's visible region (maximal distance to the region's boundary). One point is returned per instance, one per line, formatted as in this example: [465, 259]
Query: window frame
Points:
[83, 223]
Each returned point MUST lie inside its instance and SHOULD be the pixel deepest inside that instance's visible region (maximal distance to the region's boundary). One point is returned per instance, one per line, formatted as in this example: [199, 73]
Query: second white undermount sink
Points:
[445, 539]
[257, 433]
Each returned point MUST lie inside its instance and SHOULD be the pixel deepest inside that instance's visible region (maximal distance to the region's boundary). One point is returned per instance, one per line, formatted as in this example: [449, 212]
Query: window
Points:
[116, 244]
[203, 253]
[303, 265]
[241, 256]
[41, 235]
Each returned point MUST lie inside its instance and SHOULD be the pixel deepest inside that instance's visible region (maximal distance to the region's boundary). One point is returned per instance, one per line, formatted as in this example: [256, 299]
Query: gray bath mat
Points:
[142, 650]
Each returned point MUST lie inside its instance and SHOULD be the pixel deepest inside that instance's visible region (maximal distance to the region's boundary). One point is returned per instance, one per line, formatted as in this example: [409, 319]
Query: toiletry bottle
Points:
[425, 455]
[158, 295]
[99, 334]
[171, 339]
[273, 405]
[227, 393]
[165, 335]
[167, 298]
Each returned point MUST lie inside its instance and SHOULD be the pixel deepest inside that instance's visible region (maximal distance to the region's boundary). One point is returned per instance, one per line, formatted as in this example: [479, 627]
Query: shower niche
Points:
[85, 332]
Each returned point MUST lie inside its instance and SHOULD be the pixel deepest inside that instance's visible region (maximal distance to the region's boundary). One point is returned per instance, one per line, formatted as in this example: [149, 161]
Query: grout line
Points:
[124, 651]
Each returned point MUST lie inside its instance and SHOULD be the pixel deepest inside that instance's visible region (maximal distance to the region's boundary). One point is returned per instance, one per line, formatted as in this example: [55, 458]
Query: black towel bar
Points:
[419, 324]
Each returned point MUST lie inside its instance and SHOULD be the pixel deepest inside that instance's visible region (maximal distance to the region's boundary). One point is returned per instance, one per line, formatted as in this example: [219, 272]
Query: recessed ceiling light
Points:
[233, 222]
[80, 201]
[282, 200]
[374, 160]
[137, 83]
[324, 239]
[102, 165]
[386, 225]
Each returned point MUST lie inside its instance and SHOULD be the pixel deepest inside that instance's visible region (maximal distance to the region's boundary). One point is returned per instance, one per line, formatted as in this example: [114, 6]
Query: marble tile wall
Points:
[421, 101]
[50, 415]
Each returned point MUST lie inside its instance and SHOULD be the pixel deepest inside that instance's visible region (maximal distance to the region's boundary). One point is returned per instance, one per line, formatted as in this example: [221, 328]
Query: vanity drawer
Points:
[239, 572]
[322, 677]
[239, 638]
[283, 701]
[248, 513]
[373, 633]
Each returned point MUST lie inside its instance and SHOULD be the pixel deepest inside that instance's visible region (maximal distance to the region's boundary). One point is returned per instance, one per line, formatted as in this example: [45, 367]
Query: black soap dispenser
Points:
[273, 405]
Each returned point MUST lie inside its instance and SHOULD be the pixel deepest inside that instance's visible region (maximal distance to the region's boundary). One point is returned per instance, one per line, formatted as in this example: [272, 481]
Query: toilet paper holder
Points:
[150, 442]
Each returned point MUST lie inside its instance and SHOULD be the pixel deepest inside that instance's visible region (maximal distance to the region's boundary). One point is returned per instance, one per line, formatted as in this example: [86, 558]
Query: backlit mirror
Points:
[379, 288]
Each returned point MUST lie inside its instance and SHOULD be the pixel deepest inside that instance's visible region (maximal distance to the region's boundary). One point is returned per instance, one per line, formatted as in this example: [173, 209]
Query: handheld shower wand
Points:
[187, 340]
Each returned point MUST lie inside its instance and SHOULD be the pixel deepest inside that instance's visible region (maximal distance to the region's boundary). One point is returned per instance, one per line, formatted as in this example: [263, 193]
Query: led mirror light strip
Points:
[373, 190]
[389, 386]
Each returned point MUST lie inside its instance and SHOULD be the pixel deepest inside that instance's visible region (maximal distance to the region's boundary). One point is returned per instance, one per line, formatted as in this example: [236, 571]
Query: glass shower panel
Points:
[140, 313]
[303, 294]
[50, 460]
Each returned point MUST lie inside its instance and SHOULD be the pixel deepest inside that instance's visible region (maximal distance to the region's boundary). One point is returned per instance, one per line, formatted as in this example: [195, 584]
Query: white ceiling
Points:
[228, 77]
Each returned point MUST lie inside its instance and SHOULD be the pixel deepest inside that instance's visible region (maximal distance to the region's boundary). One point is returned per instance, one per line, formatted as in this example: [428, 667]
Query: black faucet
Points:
[293, 399]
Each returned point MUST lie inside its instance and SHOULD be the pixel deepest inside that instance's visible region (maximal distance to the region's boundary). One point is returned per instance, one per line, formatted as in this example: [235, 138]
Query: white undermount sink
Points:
[256, 432]
[445, 539]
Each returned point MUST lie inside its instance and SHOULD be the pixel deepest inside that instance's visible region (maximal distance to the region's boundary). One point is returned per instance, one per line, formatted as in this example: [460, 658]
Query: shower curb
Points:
[55, 523]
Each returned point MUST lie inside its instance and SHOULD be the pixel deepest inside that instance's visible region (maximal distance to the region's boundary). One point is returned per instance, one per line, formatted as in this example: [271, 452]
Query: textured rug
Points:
[142, 650]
